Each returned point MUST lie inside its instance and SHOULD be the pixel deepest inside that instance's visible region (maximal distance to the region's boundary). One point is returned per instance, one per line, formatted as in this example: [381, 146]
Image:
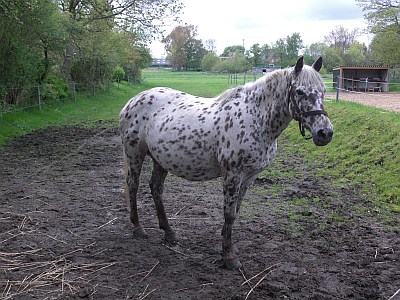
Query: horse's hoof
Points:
[232, 264]
[171, 238]
[140, 232]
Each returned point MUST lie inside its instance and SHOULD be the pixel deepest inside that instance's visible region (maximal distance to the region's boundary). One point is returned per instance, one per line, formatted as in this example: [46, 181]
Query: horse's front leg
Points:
[231, 206]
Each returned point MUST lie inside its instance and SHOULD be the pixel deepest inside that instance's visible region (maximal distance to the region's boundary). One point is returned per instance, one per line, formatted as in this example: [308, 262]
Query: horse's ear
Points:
[299, 65]
[317, 65]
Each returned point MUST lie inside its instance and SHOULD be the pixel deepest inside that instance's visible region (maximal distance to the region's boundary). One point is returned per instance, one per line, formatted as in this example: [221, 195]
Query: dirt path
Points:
[388, 101]
[65, 232]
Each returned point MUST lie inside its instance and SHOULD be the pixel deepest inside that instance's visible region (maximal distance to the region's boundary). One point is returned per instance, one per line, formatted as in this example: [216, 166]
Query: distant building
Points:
[264, 69]
[362, 78]
[160, 63]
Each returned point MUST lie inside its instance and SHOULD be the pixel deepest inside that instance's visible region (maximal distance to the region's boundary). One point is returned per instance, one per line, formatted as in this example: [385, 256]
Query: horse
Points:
[232, 136]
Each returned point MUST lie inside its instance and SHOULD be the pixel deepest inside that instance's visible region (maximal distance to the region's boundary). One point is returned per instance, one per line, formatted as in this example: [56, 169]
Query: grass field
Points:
[365, 151]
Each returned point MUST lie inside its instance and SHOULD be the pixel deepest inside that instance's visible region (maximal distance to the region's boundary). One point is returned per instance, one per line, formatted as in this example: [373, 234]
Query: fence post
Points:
[337, 89]
[74, 90]
[39, 104]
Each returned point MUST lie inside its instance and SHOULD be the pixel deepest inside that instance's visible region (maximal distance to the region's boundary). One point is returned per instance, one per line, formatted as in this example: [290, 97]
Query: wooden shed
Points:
[362, 78]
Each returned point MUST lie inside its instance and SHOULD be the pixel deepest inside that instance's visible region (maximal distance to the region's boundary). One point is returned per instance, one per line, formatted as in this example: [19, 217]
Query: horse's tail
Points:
[126, 189]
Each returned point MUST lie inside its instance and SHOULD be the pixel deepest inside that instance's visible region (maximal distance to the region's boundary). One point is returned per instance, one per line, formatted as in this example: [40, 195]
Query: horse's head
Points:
[306, 102]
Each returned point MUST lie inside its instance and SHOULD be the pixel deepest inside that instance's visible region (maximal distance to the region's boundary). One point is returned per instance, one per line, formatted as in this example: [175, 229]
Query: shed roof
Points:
[363, 67]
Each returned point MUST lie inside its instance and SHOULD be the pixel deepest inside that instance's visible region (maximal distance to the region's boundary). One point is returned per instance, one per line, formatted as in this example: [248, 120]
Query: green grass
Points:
[86, 110]
[364, 154]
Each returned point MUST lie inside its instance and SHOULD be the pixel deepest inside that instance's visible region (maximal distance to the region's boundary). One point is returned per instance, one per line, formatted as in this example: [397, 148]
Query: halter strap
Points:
[299, 115]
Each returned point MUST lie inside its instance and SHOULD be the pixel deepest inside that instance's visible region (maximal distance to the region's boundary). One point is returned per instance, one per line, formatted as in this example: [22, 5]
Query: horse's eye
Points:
[299, 92]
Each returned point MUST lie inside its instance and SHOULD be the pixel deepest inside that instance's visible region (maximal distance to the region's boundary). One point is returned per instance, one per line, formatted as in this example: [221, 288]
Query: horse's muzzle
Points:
[323, 136]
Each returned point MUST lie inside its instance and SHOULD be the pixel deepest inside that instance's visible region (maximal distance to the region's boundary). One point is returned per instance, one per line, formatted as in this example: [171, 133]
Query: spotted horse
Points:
[232, 136]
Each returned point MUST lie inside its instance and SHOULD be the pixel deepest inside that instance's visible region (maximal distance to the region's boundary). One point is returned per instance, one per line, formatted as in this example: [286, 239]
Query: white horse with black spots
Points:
[232, 136]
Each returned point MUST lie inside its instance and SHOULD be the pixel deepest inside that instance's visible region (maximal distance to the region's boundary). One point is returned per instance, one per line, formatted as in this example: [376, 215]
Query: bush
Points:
[54, 89]
[118, 73]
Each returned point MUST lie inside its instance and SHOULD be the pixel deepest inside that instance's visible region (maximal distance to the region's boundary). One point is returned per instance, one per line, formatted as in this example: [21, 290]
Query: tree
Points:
[141, 18]
[30, 33]
[254, 55]
[235, 63]
[382, 15]
[279, 49]
[385, 48]
[265, 55]
[293, 45]
[287, 50]
[209, 62]
[356, 54]
[332, 59]
[183, 50]
[195, 52]
[341, 39]
[230, 50]
[314, 51]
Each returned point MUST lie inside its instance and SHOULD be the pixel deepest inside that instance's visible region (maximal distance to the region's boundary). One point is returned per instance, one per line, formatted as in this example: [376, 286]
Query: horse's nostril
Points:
[325, 134]
[321, 133]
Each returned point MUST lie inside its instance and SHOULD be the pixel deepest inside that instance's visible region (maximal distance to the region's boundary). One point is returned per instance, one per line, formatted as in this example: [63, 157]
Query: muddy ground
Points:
[65, 231]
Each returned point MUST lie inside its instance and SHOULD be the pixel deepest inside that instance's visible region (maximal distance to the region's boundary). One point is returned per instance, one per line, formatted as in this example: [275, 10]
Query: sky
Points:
[248, 22]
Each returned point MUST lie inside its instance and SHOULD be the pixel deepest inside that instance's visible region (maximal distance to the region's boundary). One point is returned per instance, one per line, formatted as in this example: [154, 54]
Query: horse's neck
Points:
[274, 105]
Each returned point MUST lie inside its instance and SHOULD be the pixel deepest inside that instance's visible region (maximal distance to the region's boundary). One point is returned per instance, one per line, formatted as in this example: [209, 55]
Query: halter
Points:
[299, 115]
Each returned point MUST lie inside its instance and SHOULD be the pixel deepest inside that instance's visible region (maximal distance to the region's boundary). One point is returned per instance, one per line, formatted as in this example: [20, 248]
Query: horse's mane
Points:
[279, 79]
[276, 78]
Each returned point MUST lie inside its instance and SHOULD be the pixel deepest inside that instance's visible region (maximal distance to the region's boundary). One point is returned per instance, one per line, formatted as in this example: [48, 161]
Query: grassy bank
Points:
[86, 110]
[365, 151]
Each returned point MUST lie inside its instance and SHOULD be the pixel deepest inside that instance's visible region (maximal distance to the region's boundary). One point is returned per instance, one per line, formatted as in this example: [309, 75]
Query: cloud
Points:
[264, 22]
[333, 10]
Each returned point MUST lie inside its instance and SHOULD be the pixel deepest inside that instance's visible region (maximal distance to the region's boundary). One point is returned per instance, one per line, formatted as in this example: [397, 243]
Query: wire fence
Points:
[366, 85]
[39, 96]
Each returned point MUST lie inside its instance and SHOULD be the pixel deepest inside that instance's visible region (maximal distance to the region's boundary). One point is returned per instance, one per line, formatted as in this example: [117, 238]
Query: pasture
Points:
[321, 223]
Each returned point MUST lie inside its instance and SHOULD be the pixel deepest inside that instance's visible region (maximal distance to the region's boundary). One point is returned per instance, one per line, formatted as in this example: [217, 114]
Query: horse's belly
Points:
[184, 155]
[192, 167]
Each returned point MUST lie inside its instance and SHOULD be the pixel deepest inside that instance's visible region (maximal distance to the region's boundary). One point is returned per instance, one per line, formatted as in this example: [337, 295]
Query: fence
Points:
[351, 85]
[39, 96]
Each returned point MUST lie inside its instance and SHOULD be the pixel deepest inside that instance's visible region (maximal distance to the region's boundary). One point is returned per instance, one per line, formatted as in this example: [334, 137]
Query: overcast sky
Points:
[265, 21]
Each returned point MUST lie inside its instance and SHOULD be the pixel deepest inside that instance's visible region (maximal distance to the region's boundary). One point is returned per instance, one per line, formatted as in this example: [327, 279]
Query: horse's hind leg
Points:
[133, 168]
[157, 187]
